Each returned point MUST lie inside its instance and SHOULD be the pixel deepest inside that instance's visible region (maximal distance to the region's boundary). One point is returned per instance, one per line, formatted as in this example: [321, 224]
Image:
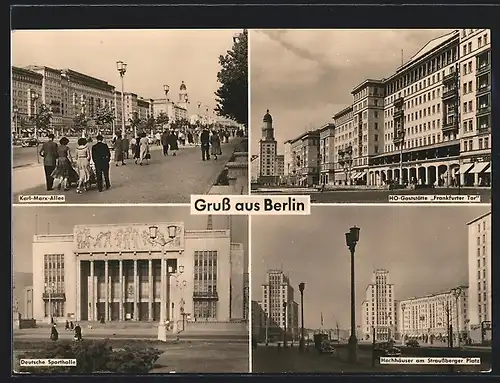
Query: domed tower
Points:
[183, 97]
[267, 127]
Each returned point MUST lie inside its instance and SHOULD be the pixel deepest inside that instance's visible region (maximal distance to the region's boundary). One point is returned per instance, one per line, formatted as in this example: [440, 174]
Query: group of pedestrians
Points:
[77, 330]
[61, 168]
[139, 146]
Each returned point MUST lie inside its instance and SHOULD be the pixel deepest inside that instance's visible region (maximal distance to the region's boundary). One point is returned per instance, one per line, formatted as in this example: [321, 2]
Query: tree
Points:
[162, 119]
[81, 122]
[150, 123]
[102, 117]
[135, 122]
[43, 118]
[232, 95]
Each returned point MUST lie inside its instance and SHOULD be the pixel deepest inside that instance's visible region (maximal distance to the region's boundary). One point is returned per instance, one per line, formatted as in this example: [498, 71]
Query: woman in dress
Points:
[63, 165]
[118, 146]
[215, 149]
[82, 165]
[137, 148]
[144, 149]
[173, 142]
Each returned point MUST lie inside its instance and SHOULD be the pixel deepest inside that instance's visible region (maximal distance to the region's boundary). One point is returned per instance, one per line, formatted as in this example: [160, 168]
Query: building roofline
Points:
[365, 83]
[326, 126]
[415, 59]
[478, 218]
[54, 70]
[309, 132]
[26, 71]
[343, 111]
[433, 294]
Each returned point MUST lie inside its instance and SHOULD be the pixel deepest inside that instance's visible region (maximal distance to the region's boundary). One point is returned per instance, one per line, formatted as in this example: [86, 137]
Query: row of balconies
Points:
[483, 68]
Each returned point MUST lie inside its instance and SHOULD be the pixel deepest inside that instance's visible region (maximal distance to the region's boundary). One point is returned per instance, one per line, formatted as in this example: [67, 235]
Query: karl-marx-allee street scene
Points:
[129, 116]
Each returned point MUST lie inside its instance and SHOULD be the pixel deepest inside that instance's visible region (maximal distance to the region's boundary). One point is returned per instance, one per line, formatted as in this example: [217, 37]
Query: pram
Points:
[73, 176]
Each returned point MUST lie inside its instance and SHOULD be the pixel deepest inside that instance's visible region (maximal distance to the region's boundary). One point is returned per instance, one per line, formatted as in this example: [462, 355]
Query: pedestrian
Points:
[190, 137]
[63, 165]
[82, 165]
[101, 156]
[173, 142]
[137, 151]
[118, 150]
[125, 148]
[205, 144]
[66, 327]
[78, 332]
[133, 143]
[144, 149]
[164, 142]
[215, 145]
[54, 334]
[71, 325]
[49, 153]
[158, 139]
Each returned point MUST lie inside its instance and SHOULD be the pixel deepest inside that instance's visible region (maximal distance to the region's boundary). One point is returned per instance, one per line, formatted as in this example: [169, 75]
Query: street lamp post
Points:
[15, 110]
[457, 293]
[352, 238]
[401, 135]
[302, 286]
[166, 89]
[122, 69]
[35, 96]
[48, 288]
[285, 320]
[153, 234]
[199, 113]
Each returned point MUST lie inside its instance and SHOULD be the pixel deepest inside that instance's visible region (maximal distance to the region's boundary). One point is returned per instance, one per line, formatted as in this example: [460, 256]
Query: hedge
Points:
[93, 356]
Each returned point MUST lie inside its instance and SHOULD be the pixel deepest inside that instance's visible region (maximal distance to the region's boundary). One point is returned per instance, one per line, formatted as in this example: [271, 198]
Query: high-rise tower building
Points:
[277, 293]
[268, 172]
[378, 309]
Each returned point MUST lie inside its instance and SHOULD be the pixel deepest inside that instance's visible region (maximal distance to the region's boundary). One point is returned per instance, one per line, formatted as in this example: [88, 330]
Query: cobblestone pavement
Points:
[165, 180]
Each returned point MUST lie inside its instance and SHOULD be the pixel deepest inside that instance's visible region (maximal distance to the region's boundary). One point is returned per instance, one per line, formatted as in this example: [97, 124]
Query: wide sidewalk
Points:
[165, 180]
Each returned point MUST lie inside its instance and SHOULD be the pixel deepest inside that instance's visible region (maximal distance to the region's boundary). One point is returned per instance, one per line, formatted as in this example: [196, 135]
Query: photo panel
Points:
[155, 116]
[375, 116]
[167, 291]
[378, 289]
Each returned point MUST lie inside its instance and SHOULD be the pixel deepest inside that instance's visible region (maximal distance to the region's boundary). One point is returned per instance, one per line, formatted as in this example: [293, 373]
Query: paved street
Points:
[276, 360]
[376, 196]
[165, 180]
[203, 358]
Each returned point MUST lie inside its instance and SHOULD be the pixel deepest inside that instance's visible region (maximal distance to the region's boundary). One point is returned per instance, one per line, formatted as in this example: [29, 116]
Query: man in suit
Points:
[101, 156]
[205, 144]
[49, 154]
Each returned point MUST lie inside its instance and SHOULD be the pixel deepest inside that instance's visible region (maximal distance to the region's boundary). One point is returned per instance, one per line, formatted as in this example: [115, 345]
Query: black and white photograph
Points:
[129, 116]
[356, 115]
[131, 290]
[354, 286]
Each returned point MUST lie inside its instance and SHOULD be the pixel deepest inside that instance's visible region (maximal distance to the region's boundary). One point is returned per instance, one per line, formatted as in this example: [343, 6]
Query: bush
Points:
[92, 357]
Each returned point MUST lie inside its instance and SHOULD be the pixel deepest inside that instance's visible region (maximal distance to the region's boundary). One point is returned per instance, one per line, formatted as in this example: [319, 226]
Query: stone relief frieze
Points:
[129, 238]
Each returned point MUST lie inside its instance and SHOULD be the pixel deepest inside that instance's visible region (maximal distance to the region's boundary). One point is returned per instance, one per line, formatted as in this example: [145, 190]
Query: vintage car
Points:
[28, 142]
[412, 343]
[386, 349]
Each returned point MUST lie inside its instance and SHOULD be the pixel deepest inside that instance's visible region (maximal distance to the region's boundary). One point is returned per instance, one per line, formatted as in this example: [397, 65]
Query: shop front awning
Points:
[480, 167]
[355, 176]
[464, 168]
[487, 170]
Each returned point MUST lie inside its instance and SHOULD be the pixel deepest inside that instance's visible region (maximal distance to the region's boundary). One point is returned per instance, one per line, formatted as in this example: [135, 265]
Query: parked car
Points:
[386, 349]
[412, 343]
[28, 142]
[326, 347]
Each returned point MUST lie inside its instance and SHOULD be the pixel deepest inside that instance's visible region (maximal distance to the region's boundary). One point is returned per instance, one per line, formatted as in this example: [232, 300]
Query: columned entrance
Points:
[123, 289]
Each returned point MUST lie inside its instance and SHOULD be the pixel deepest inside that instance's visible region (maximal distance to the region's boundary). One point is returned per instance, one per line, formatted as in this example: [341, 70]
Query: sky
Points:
[153, 57]
[423, 248]
[303, 83]
[27, 221]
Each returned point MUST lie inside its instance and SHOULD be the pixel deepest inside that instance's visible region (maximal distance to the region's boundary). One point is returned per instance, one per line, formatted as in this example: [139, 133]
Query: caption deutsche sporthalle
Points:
[267, 204]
